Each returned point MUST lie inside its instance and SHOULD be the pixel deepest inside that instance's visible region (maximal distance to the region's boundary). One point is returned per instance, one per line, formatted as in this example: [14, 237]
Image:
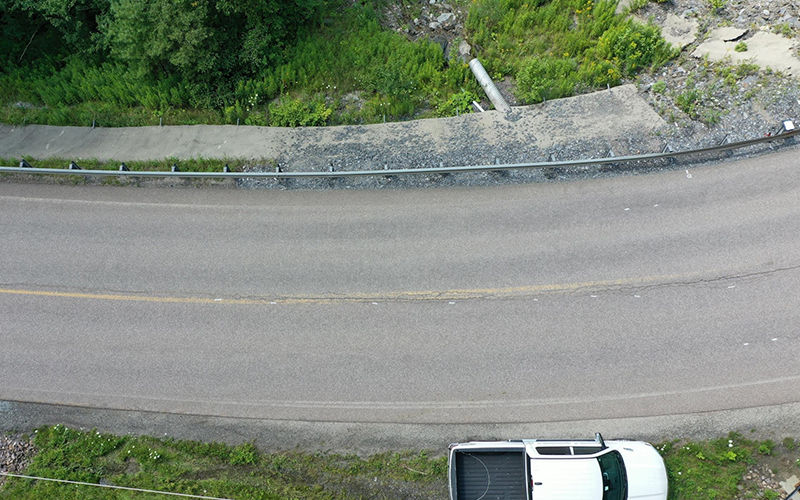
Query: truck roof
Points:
[555, 479]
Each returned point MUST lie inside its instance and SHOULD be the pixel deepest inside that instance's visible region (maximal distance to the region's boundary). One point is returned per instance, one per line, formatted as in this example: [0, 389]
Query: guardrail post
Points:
[226, 168]
[501, 172]
[728, 152]
[610, 154]
[550, 173]
[74, 166]
[667, 149]
[24, 164]
[332, 181]
[175, 168]
[123, 168]
[788, 126]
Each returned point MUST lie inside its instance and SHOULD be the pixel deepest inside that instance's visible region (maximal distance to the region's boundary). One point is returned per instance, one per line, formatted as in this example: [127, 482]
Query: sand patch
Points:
[767, 50]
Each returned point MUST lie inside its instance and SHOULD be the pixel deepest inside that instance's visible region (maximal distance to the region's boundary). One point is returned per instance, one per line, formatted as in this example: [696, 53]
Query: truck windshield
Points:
[615, 482]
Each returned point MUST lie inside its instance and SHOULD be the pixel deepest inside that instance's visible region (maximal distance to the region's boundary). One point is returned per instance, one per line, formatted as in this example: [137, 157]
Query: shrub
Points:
[634, 47]
[740, 47]
[637, 5]
[746, 69]
[688, 101]
[547, 78]
[234, 113]
[711, 116]
[257, 118]
[556, 48]
[295, 112]
[459, 103]
[717, 5]
[244, 454]
[784, 29]
[766, 447]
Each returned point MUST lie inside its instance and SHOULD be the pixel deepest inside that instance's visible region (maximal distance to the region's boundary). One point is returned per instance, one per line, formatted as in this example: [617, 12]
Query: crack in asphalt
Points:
[607, 286]
[709, 281]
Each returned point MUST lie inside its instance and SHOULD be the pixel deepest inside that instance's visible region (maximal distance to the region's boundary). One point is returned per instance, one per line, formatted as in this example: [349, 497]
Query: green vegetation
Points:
[637, 5]
[741, 47]
[731, 75]
[714, 469]
[560, 47]
[717, 6]
[457, 104]
[294, 112]
[212, 469]
[704, 469]
[704, 103]
[293, 62]
[225, 64]
[784, 29]
[688, 101]
[165, 165]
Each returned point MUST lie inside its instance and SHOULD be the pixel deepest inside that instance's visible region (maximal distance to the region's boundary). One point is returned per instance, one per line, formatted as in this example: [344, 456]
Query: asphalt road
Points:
[664, 294]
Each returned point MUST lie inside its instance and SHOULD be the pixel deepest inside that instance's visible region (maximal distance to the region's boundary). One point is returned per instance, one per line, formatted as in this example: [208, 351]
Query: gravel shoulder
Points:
[528, 133]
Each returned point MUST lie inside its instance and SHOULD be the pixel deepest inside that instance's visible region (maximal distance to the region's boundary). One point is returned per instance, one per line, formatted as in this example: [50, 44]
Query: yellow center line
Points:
[422, 295]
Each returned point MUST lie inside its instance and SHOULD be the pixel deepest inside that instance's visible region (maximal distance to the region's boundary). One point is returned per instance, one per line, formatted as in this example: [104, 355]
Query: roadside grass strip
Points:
[95, 463]
[164, 165]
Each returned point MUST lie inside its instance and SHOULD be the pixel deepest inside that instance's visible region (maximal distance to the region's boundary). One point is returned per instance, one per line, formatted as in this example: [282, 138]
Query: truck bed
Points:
[490, 475]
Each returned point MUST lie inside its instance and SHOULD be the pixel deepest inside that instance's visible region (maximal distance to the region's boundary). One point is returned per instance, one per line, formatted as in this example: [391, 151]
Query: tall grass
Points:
[397, 77]
[351, 70]
[562, 47]
[216, 470]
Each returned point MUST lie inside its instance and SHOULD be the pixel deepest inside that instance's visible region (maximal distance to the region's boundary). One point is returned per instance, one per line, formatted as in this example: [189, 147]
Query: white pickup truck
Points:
[542, 469]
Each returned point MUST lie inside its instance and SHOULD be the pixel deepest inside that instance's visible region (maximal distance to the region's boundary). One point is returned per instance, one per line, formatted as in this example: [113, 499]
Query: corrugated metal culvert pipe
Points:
[489, 87]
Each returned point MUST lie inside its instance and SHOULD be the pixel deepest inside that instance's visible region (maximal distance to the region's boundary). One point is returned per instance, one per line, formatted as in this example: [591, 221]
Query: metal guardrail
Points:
[405, 171]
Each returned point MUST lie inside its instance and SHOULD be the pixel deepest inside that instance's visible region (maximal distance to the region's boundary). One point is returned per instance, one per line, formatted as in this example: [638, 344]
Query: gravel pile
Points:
[761, 479]
[15, 455]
